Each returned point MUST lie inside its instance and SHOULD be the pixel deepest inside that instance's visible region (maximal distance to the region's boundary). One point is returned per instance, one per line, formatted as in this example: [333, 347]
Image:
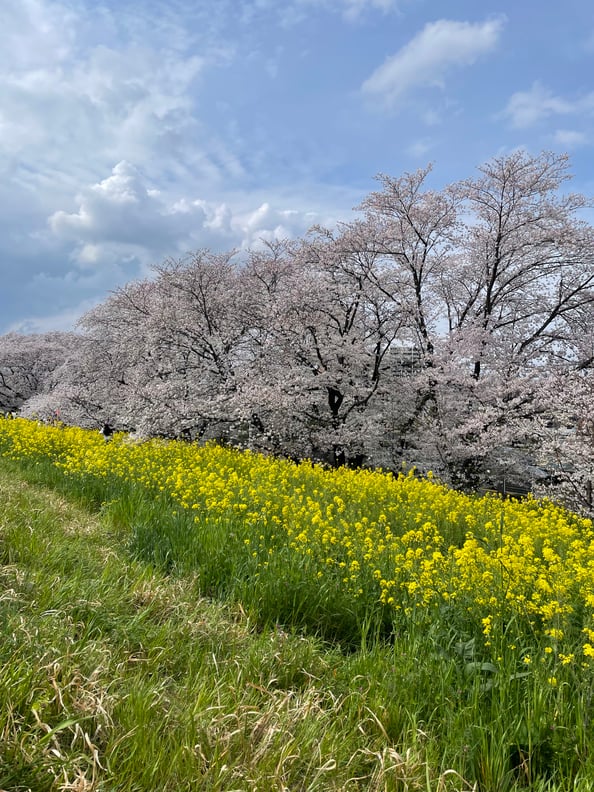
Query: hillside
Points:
[177, 617]
[114, 676]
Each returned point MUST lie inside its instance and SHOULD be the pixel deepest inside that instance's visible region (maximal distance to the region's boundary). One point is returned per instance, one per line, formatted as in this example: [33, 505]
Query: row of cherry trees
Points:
[449, 329]
[30, 365]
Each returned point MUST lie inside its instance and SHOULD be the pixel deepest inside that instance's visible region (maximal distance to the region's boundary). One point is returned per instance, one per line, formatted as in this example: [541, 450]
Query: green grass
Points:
[118, 673]
[114, 676]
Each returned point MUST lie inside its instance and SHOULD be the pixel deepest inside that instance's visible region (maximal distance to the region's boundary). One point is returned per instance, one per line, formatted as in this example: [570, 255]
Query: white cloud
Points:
[431, 117]
[62, 320]
[526, 108]
[438, 48]
[81, 92]
[419, 148]
[35, 35]
[354, 8]
[293, 12]
[120, 209]
[124, 218]
[269, 223]
[570, 138]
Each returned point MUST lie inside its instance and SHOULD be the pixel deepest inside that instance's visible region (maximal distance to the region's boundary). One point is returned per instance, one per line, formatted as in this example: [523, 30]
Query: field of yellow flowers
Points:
[466, 622]
[402, 547]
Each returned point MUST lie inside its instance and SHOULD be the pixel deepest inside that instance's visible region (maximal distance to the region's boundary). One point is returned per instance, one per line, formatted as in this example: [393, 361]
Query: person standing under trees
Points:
[107, 431]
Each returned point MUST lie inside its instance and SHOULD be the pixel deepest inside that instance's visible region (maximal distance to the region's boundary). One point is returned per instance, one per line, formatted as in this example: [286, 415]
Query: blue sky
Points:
[136, 130]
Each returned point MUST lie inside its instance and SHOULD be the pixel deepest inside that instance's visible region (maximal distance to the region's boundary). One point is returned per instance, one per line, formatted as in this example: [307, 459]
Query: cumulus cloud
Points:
[120, 209]
[268, 223]
[526, 108]
[440, 47]
[123, 217]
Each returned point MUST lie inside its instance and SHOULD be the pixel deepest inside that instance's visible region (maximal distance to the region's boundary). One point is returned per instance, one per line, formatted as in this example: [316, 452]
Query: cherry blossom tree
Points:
[499, 271]
[524, 277]
[323, 337]
[524, 266]
[413, 228]
[169, 347]
[565, 427]
[28, 365]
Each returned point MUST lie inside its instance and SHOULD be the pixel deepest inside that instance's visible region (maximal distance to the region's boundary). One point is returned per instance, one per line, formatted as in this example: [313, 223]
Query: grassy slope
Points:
[114, 677]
